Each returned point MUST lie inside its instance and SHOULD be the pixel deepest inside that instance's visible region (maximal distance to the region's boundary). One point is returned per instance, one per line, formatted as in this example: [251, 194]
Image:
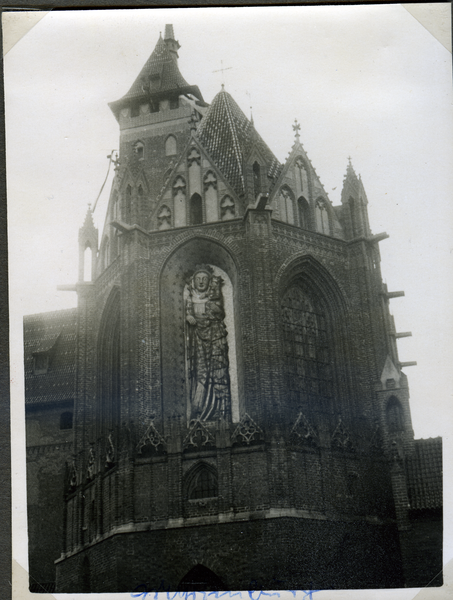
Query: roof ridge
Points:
[235, 136]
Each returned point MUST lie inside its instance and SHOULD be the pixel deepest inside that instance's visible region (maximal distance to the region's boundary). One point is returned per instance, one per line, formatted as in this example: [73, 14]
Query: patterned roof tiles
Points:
[54, 334]
[228, 136]
[424, 474]
[160, 70]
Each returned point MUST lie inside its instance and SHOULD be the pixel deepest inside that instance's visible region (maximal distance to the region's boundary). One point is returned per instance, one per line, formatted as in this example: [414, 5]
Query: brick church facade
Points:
[225, 408]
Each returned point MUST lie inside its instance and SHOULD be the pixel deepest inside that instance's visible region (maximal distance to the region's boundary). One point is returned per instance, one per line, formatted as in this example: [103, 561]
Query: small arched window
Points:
[203, 484]
[139, 150]
[66, 420]
[256, 179]
[394, 415]
[196, 210]
[170, 145]
[304, 213]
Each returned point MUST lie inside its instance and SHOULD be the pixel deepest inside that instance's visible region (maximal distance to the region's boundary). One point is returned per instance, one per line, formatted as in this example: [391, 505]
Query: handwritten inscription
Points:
[141, 591]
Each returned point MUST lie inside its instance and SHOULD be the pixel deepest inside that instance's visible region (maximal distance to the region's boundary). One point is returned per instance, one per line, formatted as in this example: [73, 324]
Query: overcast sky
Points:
[365, 81]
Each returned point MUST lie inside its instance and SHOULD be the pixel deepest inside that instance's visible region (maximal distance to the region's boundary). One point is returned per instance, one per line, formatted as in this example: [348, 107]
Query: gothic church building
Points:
[225, 408]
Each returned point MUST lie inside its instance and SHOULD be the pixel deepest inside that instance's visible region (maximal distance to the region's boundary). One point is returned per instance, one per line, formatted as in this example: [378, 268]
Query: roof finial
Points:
[223, 69]
[296, 128]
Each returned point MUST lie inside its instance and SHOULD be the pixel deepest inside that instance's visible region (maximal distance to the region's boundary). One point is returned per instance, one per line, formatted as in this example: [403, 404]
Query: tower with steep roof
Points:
[241, 417]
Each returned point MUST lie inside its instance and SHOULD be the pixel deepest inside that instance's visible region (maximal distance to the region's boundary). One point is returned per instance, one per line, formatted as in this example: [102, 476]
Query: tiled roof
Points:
[53, 333]
[424, 474]
[160, 70]
[228, 136]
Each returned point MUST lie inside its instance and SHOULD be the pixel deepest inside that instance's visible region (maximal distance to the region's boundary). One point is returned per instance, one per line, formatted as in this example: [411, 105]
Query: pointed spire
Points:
[88, 223]
[296, 128]
[172, 44]
[159, 74]
[169, 32]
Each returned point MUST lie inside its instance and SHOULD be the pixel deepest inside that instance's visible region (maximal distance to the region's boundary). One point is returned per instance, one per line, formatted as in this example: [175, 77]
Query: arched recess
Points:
[394, 415]
[201, 579]
[322, 216]
[196, 210]
[174, 277]
[170, 146]
[314, 337]
[109, 368]
[201, 482]
[303, 210]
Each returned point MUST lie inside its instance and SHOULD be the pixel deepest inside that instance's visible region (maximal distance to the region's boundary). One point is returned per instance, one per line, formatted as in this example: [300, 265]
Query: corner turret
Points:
[354, 214]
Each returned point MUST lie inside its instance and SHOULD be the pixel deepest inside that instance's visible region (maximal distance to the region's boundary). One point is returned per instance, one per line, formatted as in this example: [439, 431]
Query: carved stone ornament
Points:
[302, 433]
[151, 440]
[193, 157]
[199, 437]
[247, 432]
[210, 180]
[207, 361]
[110, 452]
[341, 438]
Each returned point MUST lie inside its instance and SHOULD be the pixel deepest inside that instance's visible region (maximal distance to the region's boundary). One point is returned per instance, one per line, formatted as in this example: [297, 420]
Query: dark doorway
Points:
[200, 579]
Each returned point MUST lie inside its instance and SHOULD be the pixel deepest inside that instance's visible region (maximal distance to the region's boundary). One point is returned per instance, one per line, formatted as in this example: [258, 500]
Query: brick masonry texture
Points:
[314, 480]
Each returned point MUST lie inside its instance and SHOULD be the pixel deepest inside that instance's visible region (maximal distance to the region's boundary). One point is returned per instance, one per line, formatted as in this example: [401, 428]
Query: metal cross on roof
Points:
[296, 128]
[223, 69]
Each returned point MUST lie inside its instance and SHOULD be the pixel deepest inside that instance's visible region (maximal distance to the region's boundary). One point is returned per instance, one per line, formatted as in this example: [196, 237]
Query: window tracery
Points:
[307, 347]
[227, 208]
[164, 218]
[322, 216]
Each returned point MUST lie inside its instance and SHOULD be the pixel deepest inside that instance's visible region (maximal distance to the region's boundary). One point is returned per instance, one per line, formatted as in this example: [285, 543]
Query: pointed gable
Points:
[229, 136]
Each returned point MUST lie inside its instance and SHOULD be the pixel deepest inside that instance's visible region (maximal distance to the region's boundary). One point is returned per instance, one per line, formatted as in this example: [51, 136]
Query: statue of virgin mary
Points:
[208, 377]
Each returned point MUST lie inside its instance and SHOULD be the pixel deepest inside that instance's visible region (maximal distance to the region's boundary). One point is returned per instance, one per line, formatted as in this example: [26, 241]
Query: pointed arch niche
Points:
[109, 367]
[314, 339]
[175, 396]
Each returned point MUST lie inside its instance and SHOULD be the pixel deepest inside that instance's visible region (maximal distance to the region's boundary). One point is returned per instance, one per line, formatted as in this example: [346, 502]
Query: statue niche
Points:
[207, 365]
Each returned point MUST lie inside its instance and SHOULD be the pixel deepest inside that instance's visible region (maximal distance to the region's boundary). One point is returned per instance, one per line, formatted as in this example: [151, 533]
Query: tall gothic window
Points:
[256, 179]
[307, 347]
[322, 217]
[196, 210]
[110, 367]
[304, 213]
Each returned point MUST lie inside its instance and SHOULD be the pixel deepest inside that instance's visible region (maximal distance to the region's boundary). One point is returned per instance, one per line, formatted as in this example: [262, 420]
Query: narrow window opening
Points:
[196, 210]
[87, 259]
[66, 420]
[256, 179]
[170, 145]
